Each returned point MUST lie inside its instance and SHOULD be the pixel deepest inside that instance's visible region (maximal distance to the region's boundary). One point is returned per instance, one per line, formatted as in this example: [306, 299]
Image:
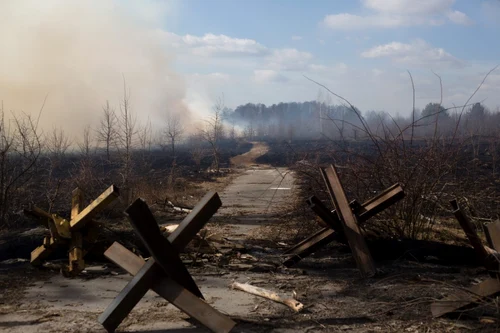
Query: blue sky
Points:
[258, 51]
[181, 55]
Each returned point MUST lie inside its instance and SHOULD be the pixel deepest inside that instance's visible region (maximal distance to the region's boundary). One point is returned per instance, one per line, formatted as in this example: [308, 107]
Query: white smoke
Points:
[77, 53]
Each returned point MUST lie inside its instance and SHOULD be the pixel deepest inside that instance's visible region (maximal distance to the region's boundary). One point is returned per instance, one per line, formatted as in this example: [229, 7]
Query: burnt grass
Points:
[411, 273]
[151, 172]
[475, 173]
[416, 272]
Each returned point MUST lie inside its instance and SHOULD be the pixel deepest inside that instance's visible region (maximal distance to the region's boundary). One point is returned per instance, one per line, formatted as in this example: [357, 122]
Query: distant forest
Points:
[314, 120]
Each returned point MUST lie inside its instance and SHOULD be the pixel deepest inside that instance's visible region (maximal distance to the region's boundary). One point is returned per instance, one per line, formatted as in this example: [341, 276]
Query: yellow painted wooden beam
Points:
[76, 262]
[108, 196]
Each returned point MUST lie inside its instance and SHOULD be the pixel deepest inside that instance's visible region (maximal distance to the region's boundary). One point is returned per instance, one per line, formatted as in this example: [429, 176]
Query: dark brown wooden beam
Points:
[380, 202]
[326, 235]
[471, 234]
[357, 243]
[456, 302]
[173, 292]
[309, 245]
[195, 220]
[492, 231]
[189, 227]
[159, 247]
[127, 299]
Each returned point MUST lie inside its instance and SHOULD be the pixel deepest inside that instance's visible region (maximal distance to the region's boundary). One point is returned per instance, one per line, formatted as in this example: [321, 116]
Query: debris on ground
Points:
[292, 303]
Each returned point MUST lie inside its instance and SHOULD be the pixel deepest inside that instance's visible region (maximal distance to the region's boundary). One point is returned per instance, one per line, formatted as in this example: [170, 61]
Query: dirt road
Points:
[58, 304]
[257, 195]
[249, 159]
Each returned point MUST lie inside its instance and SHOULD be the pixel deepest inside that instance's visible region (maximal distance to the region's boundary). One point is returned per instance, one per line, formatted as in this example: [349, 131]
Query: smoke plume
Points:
[78, 52]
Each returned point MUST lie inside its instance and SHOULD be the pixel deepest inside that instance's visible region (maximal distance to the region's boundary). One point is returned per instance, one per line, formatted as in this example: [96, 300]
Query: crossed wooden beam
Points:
[164, 273]
[489, 287]
[343, 222]
[71, 232]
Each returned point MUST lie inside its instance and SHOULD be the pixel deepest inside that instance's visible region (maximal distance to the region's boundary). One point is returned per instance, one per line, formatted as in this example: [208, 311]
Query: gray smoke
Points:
[77, 53]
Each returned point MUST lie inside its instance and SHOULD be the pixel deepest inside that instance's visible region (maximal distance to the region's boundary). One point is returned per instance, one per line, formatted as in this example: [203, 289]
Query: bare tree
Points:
[86, 144]
[20, 149]
[58, 142]
[319, 104]
[145, 136]
[107, 132]
[196, 149]
[85, 178]
[232, 130]
[126, 134]
[174, 129]
[250, 131]
[214, 131]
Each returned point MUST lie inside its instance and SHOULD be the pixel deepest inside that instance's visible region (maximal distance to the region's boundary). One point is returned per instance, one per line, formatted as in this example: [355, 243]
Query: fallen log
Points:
[169, 228]
[462, 300]
[423, 251]
[290, 302]
[179, 208]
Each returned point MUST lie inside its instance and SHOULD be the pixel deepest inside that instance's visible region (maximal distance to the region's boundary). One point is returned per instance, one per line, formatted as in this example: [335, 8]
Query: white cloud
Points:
[459, 18]
[491, 11]
[267, 76]
[340, 68]
[216, 76]
[398, 13]
[417, 53]
[216, 48]
[289, 59]
[423, 7]
[296, 37]
[210, 45]
[346, 21]
[377, 72]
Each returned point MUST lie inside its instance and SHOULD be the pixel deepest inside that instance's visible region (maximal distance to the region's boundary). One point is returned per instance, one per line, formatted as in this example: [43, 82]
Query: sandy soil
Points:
[248, 159]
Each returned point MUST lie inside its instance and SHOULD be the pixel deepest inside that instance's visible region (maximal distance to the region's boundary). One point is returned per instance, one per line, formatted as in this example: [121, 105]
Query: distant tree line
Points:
[315, 119]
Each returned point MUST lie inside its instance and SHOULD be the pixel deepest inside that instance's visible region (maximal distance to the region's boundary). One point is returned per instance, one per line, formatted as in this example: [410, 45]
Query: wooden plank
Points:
[367, 210]
[494, 235]
[39, 214]
[62, 227]
[77, 202]
[76, 262]
[173, 292]
[352, 232]
[108, 196]
[309, 245]
[455, 302]
[329, 217]
[200, 216]
[380, 202]
[296, 248]
[120, 255]
[159, 247]
[126, 300]
[471, 234]
[195, 220]
[42, 252]
[58, 225]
